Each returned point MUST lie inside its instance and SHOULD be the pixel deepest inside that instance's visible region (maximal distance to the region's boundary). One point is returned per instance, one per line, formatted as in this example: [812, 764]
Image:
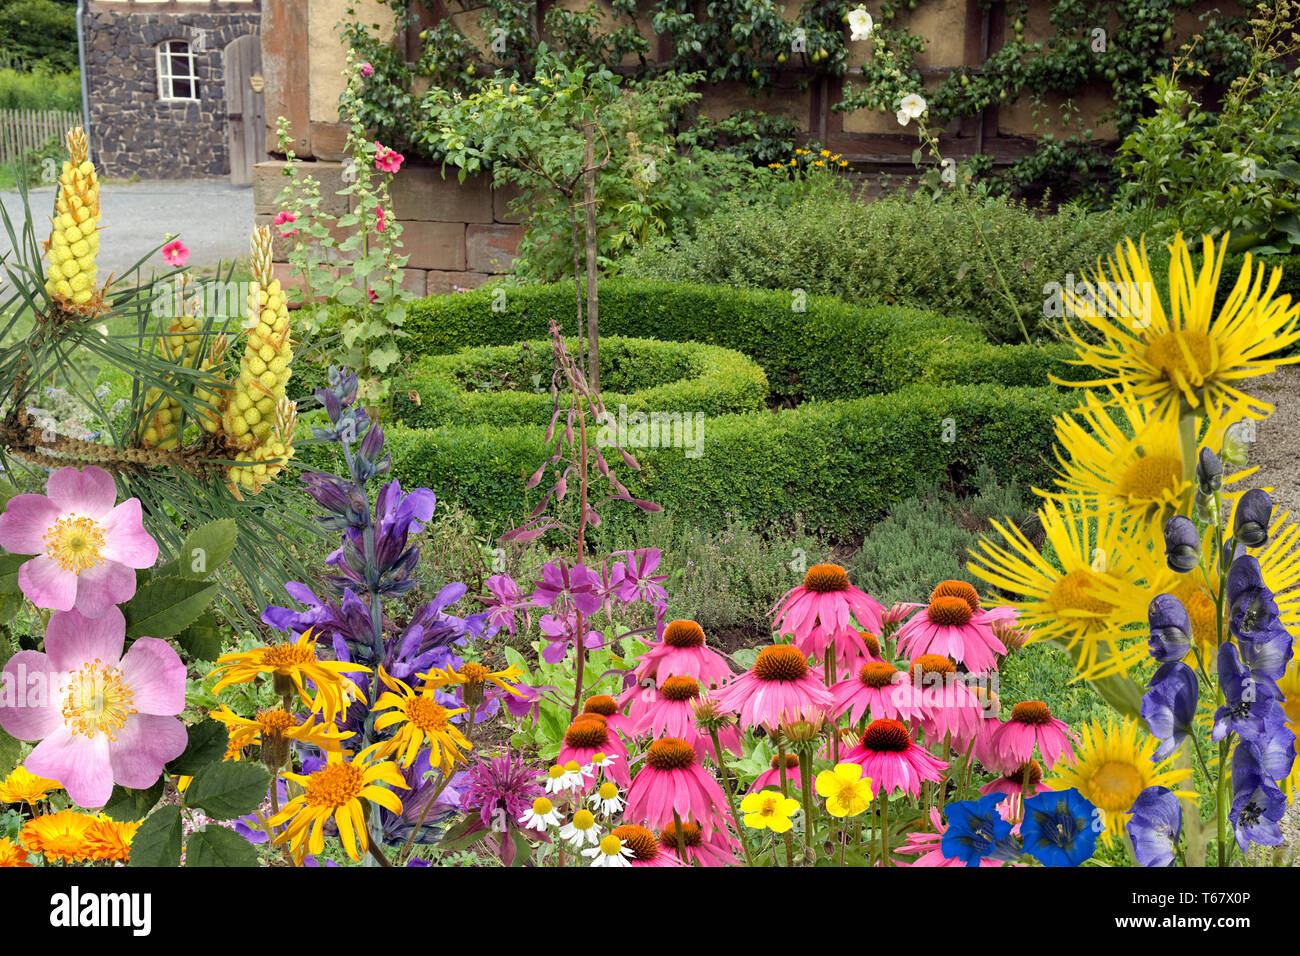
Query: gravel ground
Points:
[212, 218]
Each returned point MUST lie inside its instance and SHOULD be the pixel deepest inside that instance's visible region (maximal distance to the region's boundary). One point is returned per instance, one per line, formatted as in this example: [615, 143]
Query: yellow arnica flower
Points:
[58, 836]
[1112, 767]
[336, 790]
[1188, 357]
[419, 719]
[110, 839]
[292, 665]
[22, 786]
[768, 810]
[847, 792]
[472, 677]
[1289, 685]
[276, 725]
[11, 854]
[1103, 585]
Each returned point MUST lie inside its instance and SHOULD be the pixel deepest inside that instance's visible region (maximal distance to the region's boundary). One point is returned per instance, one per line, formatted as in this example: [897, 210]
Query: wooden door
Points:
[245, 107]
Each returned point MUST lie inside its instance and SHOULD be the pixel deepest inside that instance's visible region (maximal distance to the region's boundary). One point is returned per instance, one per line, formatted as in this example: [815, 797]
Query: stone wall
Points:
[132, 131]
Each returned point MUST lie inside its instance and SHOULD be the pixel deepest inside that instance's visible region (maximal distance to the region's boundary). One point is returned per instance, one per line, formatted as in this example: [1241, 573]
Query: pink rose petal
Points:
[25, 522]
[35, 708]
[90, 491]
[100, 588]
[47, 585]
[156, 676]
[78, 762]
[72, 639]
[143, 746]
[125, 539]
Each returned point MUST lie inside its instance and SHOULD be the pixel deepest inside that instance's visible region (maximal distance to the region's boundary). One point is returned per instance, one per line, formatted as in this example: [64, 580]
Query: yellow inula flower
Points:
[472, 677]
[58, 836]
[107, 839]
[768, 810]
[275, 726]
[22, 786]
[336, 791]
[74, 237]
[291, 665]
[847, 792]
[1289, 685]
[1112, 767]
[419, 719]
[1189, 357]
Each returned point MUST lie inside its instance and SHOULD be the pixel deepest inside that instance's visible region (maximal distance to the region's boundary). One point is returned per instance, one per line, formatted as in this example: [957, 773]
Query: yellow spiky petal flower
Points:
[70, 252]
[418, 719]
[23, 786]
[292, 665]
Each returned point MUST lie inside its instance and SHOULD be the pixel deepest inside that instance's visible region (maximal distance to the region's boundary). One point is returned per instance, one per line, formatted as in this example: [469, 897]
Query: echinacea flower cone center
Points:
[791, 761]
[587, 733]
[336, 785]
[1170, 351]
[1151, 478]
[283, 658]
[690, 835]
[1115, 786]
[639, 840]
[826, 578]
[1027, 773]
[670, 753]
[427, 715]
[949, 611]
[75, 543]
[97, 701]
[871, 642]
[780, 662]
[1032, 712]
[684, 634]
[877, 674]
[931, 664]
[680, 688]
[601, 704]
[958, 589]
[1073, 592]
[886, 736]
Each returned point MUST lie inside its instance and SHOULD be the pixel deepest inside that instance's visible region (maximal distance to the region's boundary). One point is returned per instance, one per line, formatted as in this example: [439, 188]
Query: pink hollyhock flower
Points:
[1032, 724]
[87, 549]
[672, 714]
[681, 652]
[367, 69]
[926, 844]
[645, 848]
[716, 849]
[772, 776]
[283, 219]
[605, 706]
[380, 219]
[878, 689]
[175, 253]
[779, 687]
[587, 736]
[892, 760]
[822, 610]
[672, 781]
[954, 626]
[387, 160]
[942, 702]
[101, 718]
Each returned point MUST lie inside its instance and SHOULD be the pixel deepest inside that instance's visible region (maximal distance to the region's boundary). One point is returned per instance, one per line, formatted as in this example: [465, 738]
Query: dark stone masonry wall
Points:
[132, 131]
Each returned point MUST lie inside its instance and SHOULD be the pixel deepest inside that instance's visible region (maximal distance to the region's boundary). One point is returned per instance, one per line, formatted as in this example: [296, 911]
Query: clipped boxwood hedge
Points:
[510, 384]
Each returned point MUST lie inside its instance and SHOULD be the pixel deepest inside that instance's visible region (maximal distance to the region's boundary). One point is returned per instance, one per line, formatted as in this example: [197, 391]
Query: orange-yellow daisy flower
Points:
[58, 836]
[419, 718]
[110, 839]
[276, 725]
[22, 786]
[471, 677]
[11, 854]
[291, 665]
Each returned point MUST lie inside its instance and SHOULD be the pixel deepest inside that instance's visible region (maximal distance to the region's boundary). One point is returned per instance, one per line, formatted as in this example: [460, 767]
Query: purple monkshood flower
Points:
[1273, 753]
[1255, 622]
[1251, 710]
[1182, 544]
[1257, 803]
[577, 583]
[1155, 826]
[1170, 627]
[423, 786]
[1169, 706]
[506, 601]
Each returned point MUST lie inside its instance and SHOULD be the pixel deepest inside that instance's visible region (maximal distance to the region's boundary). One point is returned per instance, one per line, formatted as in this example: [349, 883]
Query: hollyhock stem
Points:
[785, 793]
[731, 795]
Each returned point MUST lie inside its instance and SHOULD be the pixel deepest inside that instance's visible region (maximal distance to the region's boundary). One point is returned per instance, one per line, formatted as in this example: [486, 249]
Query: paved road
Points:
[211, 216]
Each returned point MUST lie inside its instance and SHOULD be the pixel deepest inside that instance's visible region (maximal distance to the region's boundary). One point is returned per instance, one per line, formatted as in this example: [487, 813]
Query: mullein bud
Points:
[1209, 472]
[1250, 519]
[1182, 545]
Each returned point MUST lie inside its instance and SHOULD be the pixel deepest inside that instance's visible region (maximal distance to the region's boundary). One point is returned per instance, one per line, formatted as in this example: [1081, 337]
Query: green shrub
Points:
[910, 250]
[40, 90]
[510, 384]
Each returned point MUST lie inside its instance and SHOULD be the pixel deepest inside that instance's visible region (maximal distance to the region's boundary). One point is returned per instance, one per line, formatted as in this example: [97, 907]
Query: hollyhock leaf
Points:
[158, 841]
[127, 805]
[206, 548]
[202, 639]
[218, 846]
[228, 790]
[207, 744]
[166, 606]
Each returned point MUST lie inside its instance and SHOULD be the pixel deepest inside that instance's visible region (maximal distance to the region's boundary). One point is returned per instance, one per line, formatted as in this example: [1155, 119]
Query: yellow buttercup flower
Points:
[1112, 767]
[291, 666]
[768, 810]
[419, 719]
[336, 791]
[22, 786]
[58, 836]
[847, 792]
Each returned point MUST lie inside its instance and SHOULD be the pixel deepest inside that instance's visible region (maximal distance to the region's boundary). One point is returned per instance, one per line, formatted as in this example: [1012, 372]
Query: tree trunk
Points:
[589, 206]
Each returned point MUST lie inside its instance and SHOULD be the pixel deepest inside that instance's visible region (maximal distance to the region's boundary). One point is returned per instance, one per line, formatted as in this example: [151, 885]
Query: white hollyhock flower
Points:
[910, 107]
[860, 24]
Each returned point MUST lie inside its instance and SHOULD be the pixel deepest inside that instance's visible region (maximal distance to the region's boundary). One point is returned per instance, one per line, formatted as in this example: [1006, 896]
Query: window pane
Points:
[181, 89]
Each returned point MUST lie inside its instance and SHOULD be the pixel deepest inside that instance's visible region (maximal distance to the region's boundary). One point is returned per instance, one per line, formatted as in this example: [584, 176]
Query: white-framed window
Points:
[178, 74]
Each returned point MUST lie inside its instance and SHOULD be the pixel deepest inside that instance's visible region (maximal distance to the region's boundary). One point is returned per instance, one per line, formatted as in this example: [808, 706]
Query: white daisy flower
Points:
[860, 24]
[574, 775]
[599, 760]
[541, 816]
[609, 852]
[581, 830]
[556, 780]
[606, 799]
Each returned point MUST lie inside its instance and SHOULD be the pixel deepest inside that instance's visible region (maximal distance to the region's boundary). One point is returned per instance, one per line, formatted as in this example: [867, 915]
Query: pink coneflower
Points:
[1032, 724]
[175, 253]
[1013, 784]
[876, 689]
[945, 705]
[673, 715]
[589, 735]
[772, 777]
[892, 760]
[605, 706]
[672, 781]
[683, 653]
[646, 848]
[926, 845]
[284, 219]
[954, 626]
[716, 849]
[779, 687]
[822, 610]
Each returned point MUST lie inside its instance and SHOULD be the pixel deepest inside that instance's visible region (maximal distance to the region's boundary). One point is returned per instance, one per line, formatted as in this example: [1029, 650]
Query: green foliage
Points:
[39, 33]
[158, 841]
[40, 90]
[510, 384]
[215, 845]
[207, 744]
[226, 790]
[130, 805]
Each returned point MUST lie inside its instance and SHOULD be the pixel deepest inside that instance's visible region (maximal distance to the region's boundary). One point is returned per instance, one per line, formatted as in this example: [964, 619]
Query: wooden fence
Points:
[23, 130]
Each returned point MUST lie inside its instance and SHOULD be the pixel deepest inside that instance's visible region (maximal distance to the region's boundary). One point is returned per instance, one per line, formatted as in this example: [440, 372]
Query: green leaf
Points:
[166, 606]
[158, 841]
[227, 790]
[202, 639]
[207, 745]
[523, 848]
[129, 805]
[218, 846]
[463, 835]
[9, 565]
[206, 548]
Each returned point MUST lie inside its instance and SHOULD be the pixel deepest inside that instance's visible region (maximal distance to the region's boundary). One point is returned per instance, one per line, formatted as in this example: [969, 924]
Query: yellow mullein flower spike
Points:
[70, 252]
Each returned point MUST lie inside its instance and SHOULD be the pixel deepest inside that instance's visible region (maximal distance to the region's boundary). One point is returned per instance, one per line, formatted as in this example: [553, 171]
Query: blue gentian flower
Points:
[976, 830]
[1155, 826]
[1060, 828]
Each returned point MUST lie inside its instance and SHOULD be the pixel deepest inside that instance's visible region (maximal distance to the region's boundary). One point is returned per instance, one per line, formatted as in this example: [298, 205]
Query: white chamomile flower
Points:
[556, 780]
[598, 761]
[574, 775]
[860, 24]
[541, 816]
[606, 799]
[910, 107]
[581, 830]
[609, 852]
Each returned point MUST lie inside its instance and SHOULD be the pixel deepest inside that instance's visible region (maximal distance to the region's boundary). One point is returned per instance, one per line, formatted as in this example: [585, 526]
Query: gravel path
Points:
[212, 218]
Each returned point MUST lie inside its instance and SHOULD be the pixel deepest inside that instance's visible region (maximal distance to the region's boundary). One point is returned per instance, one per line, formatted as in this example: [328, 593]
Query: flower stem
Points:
[729, 788]
[785, 793]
